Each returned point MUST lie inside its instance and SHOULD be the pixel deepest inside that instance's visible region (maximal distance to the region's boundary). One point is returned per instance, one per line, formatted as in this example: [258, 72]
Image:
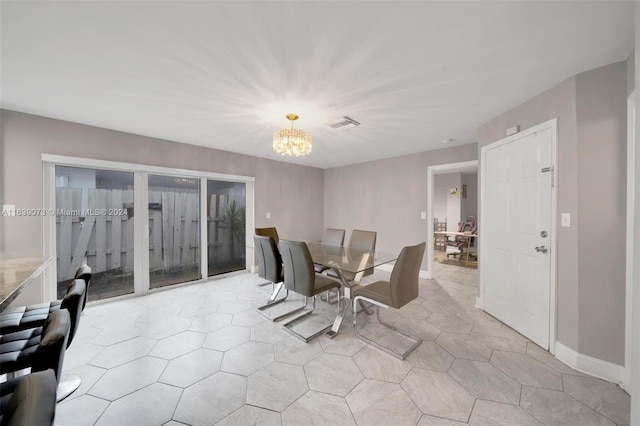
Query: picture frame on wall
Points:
[464, 190]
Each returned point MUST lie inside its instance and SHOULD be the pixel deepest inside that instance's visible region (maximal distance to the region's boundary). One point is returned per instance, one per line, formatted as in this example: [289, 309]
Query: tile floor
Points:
[201, 355]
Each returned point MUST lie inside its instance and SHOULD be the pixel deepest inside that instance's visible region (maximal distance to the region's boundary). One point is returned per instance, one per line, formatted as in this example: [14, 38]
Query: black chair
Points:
[84, 273]
[38, 348]
[333, 237]
[31, 316]
[401, 289]
[300, 277]
[29, 400]
[72, 305]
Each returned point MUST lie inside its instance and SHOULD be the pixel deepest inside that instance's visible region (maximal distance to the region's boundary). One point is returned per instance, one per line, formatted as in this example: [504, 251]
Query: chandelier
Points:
[290, 141]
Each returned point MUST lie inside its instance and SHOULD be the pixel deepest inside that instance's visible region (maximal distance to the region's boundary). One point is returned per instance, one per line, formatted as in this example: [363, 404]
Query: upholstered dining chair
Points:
[401, 289]
[29, 400]
[300, 277]
[333, 237]
[361, 240]
[268, 232]
[270, 269]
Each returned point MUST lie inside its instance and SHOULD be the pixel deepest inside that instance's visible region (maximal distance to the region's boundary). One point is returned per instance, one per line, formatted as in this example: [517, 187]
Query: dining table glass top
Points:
[347, 259]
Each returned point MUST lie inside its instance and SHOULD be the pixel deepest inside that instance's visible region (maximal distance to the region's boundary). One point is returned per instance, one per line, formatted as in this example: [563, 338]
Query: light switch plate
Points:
[423, 215]
[565, 220]
[268, 215]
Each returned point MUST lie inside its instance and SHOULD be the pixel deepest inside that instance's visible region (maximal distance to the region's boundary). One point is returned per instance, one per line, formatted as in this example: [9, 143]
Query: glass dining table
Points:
[350, 265]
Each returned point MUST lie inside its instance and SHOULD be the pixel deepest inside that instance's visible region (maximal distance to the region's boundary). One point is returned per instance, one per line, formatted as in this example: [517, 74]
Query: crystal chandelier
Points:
[290, 141]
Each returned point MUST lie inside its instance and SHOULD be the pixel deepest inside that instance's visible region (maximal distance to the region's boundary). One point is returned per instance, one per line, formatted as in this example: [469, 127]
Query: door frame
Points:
[431, 172]
[553, 247]
[141, 215]
[630, 234]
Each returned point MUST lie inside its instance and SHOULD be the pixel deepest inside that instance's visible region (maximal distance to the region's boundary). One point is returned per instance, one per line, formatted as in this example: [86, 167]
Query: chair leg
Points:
[274, 301]
[391, 351]
[288, 326]
[68, 385]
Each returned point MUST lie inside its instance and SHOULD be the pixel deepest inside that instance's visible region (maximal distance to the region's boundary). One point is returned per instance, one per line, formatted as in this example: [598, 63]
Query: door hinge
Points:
[553, 174]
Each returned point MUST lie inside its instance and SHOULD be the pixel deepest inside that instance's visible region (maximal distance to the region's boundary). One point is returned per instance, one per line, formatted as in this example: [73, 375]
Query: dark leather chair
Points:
[333, 237]
[84, 273]
[39, 348]
[300, 277]
[29, 400]
[31, 316]
[401, 289]
[361, 240]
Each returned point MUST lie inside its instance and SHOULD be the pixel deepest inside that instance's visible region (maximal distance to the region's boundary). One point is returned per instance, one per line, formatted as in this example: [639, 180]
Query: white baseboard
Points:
[388, 267]
[586, 364]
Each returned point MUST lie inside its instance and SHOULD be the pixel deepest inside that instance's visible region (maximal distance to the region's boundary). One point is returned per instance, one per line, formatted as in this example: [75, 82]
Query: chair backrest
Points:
[84, 272]
[33, 402]
[333, 236]
[468, 225]
[269, 232]
[299, 274]
[404, 277]
[269, 259]
[53, 343]
[73, 302]
[363, 240]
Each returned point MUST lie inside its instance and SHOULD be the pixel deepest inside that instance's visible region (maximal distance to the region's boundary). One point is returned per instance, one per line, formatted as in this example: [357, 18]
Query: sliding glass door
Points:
[174, 230]
[140, 227]
[94, 224]
[226, 226]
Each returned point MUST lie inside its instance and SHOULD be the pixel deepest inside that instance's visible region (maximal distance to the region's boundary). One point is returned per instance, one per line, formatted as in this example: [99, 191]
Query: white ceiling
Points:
[224, 74]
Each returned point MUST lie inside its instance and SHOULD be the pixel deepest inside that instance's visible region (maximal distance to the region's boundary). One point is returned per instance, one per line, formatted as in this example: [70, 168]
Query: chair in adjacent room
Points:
[463, 242]
[29, 400]
[301, 278]
[401, 289]
[333, 237]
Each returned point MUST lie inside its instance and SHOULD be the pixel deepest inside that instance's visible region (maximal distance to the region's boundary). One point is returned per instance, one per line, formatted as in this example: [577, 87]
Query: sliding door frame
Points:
[141, 215]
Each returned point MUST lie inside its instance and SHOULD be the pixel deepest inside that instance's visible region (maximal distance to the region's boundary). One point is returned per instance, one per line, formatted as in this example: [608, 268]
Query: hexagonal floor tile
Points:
[226, 338]
[376, 364]
[123, 352]
[210, 322]
[344, 343]
[334, 374]
[127, 378]
[488, 413]
[268, 332]
[191, 368]
[464, 346]
[373, 402]
[152, 405]
[81, 411]
[248, 318]
[438, 394]
[234, 306]
[485, 381]
[313, 408]
[276, 386]
[249, 415]
[294, 351]
[526, 370]
[431, 356]
[211, 399]
[178, 344]
[606, 398]
[167, 327]
[247, 358]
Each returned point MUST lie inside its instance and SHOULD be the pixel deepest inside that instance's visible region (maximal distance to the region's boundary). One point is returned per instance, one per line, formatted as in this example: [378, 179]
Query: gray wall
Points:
[386, 196]
[601, 106]
[280, 188]
[578, 176]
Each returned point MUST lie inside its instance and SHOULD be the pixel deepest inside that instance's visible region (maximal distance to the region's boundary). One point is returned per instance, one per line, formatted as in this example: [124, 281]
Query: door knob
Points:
[541, 249]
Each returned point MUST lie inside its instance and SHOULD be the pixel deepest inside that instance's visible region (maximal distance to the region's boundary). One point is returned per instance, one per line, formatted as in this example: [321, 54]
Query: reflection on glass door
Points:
[174, 230]
[226, 218]
[94, 224]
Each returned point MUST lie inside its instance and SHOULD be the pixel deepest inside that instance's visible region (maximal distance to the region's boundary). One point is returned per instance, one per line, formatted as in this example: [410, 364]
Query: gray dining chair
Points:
[333, 237]
[361, 240]
[268, 232]
[301, 278]
[401, 289]
[270, 268]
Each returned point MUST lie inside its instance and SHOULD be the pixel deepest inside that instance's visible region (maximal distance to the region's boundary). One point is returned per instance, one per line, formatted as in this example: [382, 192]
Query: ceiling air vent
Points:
[342, 123]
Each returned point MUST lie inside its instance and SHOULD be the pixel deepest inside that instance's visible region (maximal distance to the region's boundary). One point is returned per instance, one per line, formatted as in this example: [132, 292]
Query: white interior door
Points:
[517, 230]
